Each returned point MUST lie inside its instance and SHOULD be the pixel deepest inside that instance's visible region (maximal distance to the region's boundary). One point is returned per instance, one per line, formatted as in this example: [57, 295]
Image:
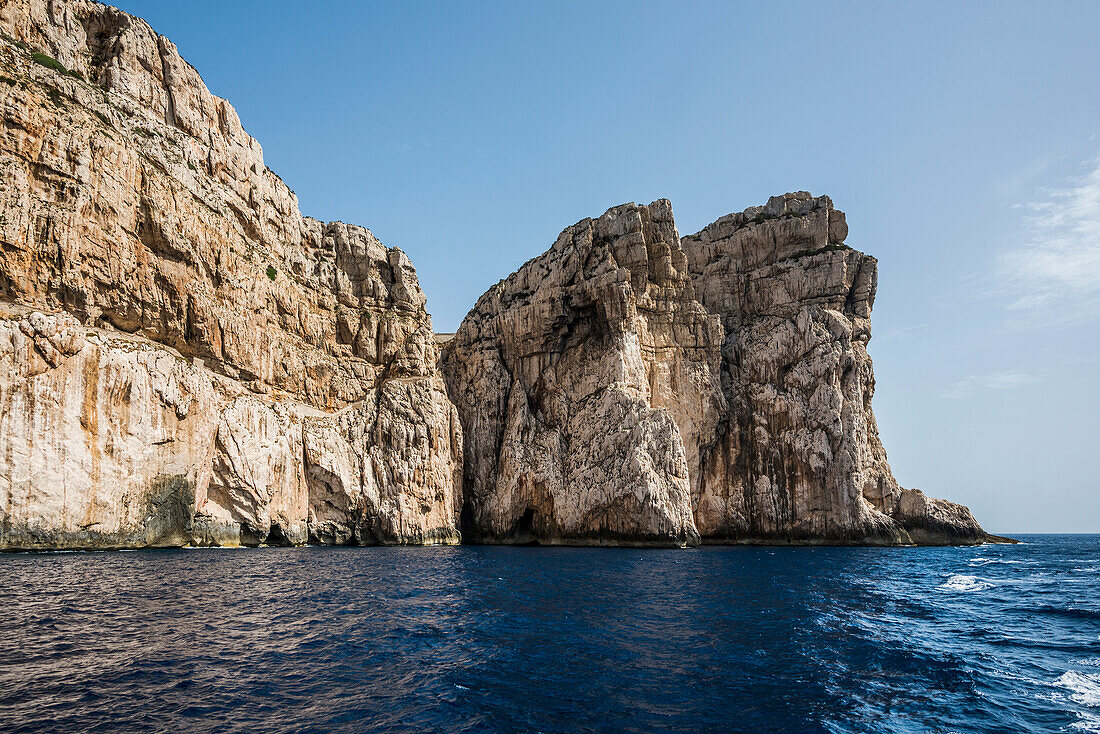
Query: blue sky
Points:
[960, 138]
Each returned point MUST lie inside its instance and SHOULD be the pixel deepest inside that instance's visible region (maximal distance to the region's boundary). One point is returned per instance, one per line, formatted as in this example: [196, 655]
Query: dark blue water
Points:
[989, 639]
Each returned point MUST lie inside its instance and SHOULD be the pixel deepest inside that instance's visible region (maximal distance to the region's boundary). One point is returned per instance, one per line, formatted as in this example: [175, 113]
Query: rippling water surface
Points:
[989, 639]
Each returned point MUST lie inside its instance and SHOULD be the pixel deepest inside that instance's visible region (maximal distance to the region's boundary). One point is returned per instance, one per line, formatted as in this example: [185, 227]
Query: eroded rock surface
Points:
[627, 386]
[578, 379]
[798, 455]
[187, 360]
[134, 206]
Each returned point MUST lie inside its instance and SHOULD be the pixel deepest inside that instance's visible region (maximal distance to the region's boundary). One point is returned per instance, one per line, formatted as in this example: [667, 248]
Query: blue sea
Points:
[496, 639]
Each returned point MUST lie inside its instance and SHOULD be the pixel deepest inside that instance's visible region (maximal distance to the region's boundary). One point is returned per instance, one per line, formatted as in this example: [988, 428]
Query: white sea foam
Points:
[979, 561]
[961, 582]
[1084, 688]
[1088, 724]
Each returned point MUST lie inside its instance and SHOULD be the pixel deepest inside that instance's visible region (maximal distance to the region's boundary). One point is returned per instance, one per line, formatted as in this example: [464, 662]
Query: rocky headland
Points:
[187, 360]
[633, 386]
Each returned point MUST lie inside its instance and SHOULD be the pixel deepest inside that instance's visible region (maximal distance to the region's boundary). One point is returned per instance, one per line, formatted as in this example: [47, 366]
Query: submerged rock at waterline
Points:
[187, 360]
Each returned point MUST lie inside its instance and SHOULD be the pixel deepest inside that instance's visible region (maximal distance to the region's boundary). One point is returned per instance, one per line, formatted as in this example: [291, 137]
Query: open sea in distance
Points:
[995, 638]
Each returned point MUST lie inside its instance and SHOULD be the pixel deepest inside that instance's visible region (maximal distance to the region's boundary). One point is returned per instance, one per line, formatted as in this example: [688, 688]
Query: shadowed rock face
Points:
[137, 216]
[630, 387]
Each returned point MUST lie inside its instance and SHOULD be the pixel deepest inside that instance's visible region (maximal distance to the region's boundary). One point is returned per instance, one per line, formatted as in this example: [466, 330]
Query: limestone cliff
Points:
[187, 359]
[578, 378]
[798, 455]
[627, 386]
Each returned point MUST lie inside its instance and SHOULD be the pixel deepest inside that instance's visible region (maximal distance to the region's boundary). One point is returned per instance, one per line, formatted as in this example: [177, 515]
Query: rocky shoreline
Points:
[186, 360]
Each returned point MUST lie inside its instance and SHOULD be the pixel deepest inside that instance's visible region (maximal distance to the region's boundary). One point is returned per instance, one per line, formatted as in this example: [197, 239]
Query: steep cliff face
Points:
[628, 386]
[578, 379]
[136, 211]
[186, 360]
[798, 455]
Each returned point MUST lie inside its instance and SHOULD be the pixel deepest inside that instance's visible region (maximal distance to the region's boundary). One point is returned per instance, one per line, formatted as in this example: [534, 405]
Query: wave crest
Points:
[962, 583]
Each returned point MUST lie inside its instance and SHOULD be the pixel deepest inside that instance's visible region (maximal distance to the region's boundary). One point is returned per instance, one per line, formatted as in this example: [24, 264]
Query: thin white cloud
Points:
[994, 381]
[1018, 184]
[1056, 272]
[900, 333]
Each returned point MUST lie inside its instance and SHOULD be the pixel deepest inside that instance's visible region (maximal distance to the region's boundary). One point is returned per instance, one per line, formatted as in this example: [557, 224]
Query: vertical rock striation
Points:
[587, 382]
[137, 216]
[798, 455]
[631, 387]
[187, 360]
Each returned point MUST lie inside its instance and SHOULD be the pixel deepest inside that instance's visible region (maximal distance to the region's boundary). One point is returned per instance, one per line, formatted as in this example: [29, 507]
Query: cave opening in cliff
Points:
[523, 531]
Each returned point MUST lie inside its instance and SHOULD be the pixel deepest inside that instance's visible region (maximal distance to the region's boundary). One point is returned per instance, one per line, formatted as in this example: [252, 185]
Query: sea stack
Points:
[629, 386]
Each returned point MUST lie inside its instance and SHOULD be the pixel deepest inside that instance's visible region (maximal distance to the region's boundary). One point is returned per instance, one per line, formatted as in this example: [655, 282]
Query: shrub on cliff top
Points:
[271, 271]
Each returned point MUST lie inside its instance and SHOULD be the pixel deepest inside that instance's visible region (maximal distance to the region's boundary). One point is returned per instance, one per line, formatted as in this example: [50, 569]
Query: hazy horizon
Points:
[960, 141]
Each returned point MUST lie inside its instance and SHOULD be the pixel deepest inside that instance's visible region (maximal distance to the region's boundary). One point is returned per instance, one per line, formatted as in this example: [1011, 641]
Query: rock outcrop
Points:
[631, 387]
[798, 455]
[186, 358]
[587, 382]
